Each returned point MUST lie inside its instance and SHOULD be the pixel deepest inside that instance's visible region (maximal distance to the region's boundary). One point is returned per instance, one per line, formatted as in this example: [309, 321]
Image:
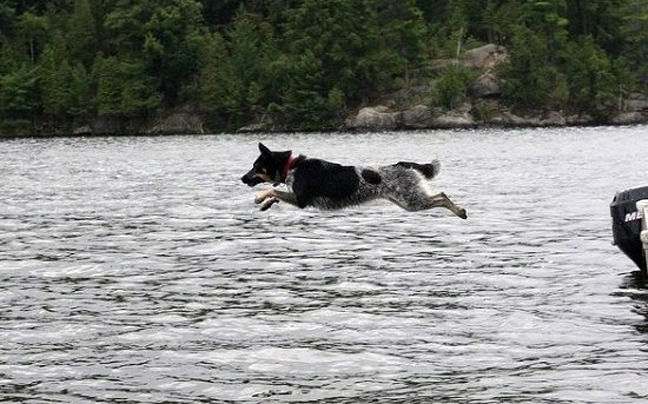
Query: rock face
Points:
[423, 117]
[254, 128]
[418, 117]
[174, 124]
[177, 123]
[454, 120]
[629, 118]
[506, 118]
[486, 85]
[636, 103]
[374, 118]
[83, 130]
[485, 57]
[554, 118]
[484, 92]
[107, 125]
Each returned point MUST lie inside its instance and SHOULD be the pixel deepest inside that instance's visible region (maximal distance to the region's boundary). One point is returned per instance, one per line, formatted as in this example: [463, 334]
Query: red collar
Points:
[290, 164]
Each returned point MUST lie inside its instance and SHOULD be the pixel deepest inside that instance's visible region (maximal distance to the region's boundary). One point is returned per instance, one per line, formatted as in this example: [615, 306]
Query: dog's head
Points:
[268, 167]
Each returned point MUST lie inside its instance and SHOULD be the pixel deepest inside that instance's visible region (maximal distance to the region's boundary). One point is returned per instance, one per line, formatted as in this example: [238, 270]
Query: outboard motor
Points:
[626, 224]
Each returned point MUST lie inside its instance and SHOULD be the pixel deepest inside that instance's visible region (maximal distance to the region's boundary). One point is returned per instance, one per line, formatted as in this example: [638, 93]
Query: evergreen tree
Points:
[211, 77]
[108, 97]
[305, 61]
[82, 32]
[54, 74]
[593, 82]
[8, 57]
[8, 19]
[123, 89]
[303, 101]
[635, 30]
[233, 75]
[19, 97]
[529, 77]
[163, 35]
[79, 99]
[33, 30]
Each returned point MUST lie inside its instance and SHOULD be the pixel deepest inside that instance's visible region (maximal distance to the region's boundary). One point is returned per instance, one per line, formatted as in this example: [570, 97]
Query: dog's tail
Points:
[429, 171]
[433, 169]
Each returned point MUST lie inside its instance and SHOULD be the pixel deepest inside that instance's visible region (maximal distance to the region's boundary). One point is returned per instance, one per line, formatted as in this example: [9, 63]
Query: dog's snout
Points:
[251, 179]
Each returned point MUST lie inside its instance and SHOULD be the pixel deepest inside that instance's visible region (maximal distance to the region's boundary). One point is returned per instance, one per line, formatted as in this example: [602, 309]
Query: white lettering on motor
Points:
[629, 217]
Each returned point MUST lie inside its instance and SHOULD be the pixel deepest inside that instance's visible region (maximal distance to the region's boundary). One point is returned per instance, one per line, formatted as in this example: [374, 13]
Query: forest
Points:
[304, 63]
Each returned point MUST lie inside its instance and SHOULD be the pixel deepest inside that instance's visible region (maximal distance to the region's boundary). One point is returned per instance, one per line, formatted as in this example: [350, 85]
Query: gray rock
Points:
[629, 118]
[583, 119]
[177, 123]
[82, 130]
[486, 57]
[418, 117]
[486, 85]
[554, 118]
[636, 102]
[254, 128]
[462, 106]
[507, 118]
[107, 125]
[454, 120]
[374, 118]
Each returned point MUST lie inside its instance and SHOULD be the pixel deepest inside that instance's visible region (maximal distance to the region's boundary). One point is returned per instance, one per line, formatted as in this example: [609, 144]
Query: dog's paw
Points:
[267, 204]
[462, 214]
[263, 195]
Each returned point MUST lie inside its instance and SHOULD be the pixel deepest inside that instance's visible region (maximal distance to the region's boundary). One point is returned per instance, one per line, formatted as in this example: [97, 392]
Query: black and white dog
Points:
[327, 185]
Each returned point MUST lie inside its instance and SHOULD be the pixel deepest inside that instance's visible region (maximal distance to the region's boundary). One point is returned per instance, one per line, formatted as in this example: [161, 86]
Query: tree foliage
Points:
[304, 62]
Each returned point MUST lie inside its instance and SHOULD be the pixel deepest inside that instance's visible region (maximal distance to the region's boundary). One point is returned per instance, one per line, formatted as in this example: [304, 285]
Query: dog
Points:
[329, 186]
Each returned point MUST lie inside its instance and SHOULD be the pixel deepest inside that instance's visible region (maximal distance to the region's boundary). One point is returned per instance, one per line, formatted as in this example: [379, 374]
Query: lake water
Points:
[139, 270]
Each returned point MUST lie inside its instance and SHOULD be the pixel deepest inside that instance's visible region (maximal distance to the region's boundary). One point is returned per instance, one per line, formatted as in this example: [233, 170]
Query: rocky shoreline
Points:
[374, 118]
[382, 118]
[481, 106]
[367, 119]
[407, 109]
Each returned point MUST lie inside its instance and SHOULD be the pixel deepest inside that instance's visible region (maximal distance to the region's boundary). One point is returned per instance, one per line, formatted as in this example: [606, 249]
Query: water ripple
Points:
[138, 270]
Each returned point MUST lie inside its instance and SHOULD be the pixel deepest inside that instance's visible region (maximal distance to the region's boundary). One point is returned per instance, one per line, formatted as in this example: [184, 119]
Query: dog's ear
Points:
[264, 150]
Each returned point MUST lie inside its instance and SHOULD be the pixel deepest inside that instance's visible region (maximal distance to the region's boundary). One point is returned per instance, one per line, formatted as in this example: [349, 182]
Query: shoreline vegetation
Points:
[92, 67]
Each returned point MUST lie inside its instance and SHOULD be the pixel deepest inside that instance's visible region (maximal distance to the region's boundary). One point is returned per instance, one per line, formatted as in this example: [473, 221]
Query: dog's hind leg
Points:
[423, 202]
[442, 200]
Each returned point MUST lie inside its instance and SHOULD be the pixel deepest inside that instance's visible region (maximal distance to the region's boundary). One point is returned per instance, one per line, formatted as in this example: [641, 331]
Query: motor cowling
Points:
[626, 224]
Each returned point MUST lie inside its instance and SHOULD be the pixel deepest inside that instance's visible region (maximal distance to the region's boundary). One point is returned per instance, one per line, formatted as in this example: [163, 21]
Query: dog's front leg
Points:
[271, 196]
[263, 195]
[287, 197]
[266, 199]
[267, 204]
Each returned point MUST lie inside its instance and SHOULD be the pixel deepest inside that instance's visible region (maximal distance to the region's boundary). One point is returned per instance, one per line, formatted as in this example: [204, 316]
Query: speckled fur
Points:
[329, 186]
